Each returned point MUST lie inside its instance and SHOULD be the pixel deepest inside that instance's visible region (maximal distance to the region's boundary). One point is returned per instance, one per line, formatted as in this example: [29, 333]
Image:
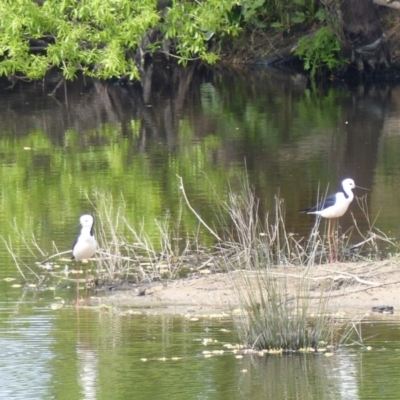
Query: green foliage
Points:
[307, 10]
[201, 21]
[320, 51]
[281, 14]
[251, 11]
[89, 35]
[101, 37]
[96, 35]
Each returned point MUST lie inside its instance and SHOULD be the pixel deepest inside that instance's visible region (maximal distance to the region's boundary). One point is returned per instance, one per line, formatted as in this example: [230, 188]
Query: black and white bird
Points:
[85, 244]
[332, 207]
[335, 205]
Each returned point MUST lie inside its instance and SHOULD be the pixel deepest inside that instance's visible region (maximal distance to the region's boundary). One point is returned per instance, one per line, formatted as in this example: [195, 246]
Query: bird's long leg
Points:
[78, 302]
[77, 285]
[335, 238]
[86, 288]
[329, 240]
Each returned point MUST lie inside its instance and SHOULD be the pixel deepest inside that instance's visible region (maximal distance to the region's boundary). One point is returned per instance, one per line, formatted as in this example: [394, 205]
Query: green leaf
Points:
[276, 25]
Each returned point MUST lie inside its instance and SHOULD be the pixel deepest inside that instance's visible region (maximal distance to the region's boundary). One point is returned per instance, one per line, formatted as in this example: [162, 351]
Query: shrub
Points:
[319, 52]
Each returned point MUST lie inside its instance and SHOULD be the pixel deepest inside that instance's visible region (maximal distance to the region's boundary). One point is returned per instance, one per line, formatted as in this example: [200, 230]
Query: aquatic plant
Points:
[128, 253]
[275, 309]
[283, 308]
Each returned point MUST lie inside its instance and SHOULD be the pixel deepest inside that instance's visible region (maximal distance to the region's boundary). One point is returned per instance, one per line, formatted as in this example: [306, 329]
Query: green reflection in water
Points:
[46, 187]
[288, 138]
[103, 353]
[99, 353]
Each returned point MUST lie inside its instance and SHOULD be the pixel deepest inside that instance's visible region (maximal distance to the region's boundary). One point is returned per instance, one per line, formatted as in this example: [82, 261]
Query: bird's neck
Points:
[348, 193]
[86, 231]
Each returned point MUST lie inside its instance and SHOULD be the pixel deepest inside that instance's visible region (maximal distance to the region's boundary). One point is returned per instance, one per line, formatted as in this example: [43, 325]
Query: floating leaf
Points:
[56, 306]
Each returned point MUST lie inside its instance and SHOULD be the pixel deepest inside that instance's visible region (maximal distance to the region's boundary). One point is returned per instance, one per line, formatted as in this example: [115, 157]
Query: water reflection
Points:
[94, 354]
[205, 126]
[26, 356]
[87, 371]
[298, 377]
[131, 142]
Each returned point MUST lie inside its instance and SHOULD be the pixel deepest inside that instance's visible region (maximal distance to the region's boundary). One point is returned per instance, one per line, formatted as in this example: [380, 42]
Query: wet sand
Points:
[355, 289]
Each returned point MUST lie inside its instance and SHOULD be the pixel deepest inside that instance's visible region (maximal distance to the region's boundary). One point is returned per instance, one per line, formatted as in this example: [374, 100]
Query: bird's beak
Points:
[360, 187]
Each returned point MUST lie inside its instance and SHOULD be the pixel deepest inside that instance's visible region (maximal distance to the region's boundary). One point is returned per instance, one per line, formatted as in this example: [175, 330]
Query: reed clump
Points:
[125, 253]
[128, 253]
[276, 311]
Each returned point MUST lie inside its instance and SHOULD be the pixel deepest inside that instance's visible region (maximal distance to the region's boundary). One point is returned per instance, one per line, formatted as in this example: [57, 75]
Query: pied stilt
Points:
[85, 244]
[334, 206]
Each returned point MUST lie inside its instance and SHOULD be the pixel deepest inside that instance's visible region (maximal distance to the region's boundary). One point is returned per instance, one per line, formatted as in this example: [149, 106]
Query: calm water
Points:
[87, 354]
[63, 155]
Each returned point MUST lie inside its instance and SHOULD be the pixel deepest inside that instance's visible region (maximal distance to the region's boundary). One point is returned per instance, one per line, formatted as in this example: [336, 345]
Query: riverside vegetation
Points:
[113, 39]
[256, 250]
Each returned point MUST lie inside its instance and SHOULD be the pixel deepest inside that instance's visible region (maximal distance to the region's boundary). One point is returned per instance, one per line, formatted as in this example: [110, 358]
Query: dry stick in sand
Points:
[355, 277]
[194, 211]
[364, 289]
[340, 275]
[333, 277]
[204, 264]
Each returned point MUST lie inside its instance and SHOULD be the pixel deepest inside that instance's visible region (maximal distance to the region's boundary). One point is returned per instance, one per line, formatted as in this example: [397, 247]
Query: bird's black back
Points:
[328, 201]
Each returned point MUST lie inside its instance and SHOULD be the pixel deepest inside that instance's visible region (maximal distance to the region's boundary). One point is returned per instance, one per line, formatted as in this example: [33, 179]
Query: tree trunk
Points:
[358, 27]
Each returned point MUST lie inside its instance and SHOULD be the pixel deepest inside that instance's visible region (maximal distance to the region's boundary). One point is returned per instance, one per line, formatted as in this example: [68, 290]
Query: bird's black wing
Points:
[73, 246]
[324, 203]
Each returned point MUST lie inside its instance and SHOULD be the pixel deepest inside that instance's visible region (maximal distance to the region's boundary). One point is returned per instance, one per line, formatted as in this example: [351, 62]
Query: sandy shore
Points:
[357, 287]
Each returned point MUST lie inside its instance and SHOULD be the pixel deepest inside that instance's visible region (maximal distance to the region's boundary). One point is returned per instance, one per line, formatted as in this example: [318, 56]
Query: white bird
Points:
[85, 244]
[334, 206]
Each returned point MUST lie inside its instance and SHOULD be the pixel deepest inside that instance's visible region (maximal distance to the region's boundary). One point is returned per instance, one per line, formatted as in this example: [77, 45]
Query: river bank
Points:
[356, 288]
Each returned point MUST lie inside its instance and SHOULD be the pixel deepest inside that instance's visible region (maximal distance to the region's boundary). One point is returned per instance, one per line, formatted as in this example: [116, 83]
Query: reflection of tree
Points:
[364, 114]
[200, 124]
[84, 105]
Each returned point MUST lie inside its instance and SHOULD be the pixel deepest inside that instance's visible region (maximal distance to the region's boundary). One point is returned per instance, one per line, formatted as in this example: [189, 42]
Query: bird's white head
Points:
[348, 184]
[86, 221]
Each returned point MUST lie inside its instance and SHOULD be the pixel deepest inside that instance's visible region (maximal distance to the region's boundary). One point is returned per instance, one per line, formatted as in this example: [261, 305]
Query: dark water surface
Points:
[59, 156]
